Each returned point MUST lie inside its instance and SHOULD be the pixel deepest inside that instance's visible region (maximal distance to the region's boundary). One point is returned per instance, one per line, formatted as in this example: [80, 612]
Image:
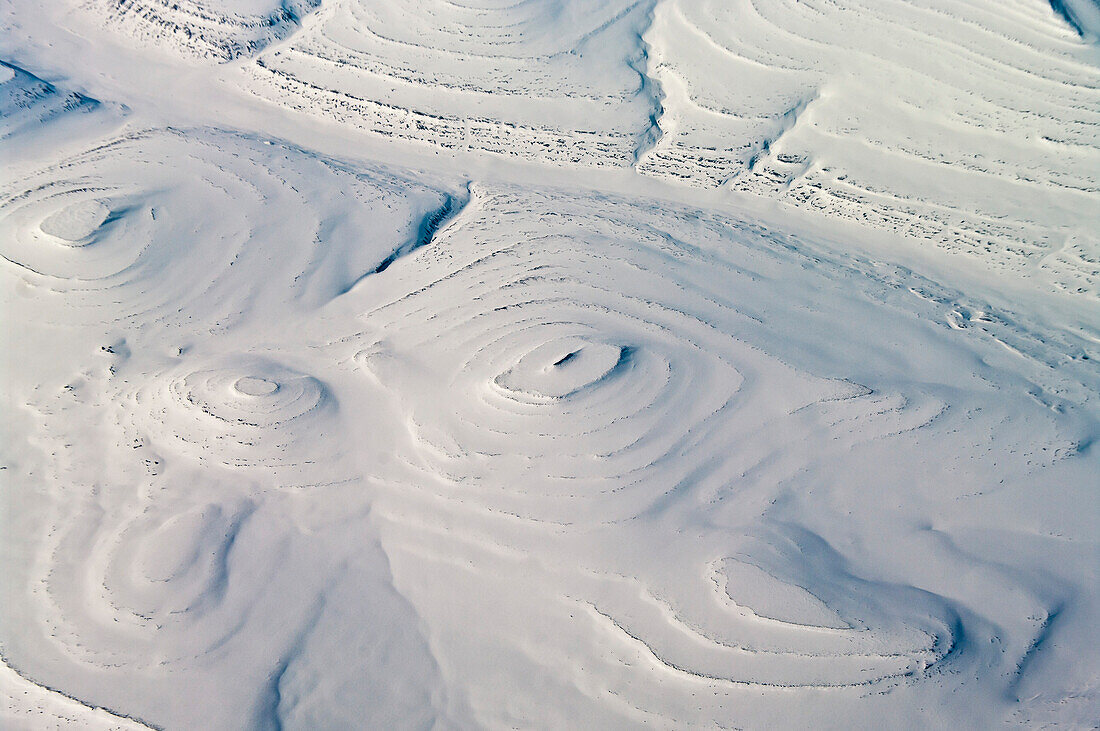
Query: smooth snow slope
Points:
[549, 364]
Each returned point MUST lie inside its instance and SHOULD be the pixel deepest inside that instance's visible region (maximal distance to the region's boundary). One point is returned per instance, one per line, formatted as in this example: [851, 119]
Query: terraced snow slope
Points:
[203, 29]
[969, 126]
[557, 82]
[549, 365]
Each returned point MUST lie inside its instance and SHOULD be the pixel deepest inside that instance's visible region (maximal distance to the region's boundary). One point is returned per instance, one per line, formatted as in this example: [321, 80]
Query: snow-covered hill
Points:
[549, 364]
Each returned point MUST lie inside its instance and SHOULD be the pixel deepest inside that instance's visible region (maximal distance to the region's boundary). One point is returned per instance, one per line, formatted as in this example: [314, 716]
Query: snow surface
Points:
[550, 364]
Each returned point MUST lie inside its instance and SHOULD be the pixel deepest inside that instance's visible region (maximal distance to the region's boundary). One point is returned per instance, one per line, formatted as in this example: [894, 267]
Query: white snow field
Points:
[550, 364]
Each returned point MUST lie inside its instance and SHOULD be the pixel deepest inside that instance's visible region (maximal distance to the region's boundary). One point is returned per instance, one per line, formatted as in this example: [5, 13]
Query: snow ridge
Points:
[512, 363]
[198, 29]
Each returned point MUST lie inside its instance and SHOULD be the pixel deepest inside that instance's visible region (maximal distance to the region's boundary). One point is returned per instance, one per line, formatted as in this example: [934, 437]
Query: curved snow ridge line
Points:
[1082, 15]
[143, 572]
[99, 228]
[651, 86]
[243, 412]
[150, 564]
[28, 102]
[529, 48]
[881, 415]
[125, 252]
[523, 140]
[540, 327]
[586, 366]
[428, 228]
[721, 641]
[988, 115]
[115, 578]
[529, 374]
[862, 665]
[1062, 358]
[27, 700]
[555, 82]
[198, 29]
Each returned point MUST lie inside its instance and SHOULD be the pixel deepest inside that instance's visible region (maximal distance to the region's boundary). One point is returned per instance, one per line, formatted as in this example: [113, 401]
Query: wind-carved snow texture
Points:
[203, 29]
[294, 441]
[161, 546]
[594, 389]
[971, 126]
[1083, 15]
[544, 80]
[103, 227]
[29, 102]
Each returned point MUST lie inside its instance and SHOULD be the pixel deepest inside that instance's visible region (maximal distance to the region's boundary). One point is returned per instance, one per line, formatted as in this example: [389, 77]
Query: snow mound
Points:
[75, 224]
[541, 403]
[612, 385]
[162, 187]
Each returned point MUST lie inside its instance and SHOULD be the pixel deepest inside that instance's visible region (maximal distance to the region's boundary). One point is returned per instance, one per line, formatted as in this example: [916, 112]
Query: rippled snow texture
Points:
[748, 381]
